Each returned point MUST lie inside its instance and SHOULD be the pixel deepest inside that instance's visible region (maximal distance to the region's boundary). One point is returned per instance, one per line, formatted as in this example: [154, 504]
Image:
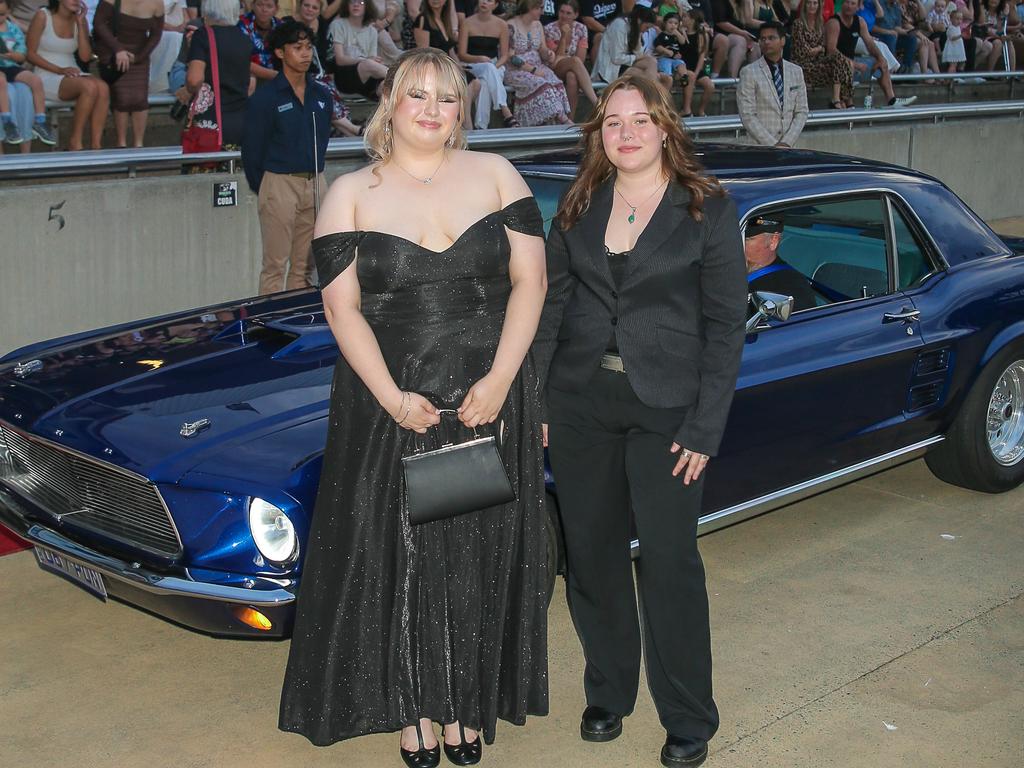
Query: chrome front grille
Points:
[90, 493]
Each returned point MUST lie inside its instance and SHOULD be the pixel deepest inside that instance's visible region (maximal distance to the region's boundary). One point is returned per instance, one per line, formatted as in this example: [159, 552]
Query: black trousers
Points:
[609, 453]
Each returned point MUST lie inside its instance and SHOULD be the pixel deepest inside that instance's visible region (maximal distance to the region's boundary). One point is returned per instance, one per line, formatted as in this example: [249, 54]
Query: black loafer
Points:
[683, 752]
[465, 752]
[598, 724]
[422, 757]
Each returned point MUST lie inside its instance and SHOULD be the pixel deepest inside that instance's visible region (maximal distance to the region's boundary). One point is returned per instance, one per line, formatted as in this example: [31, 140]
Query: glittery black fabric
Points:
[446, 620]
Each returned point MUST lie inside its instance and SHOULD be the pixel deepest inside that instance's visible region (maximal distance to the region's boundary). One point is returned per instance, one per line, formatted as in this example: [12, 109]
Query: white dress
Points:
[59, 51]
[953, 51]
[163, 57]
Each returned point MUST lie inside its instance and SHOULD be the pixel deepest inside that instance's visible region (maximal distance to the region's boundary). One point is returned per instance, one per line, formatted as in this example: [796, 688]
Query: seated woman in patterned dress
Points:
[540, 94]
[820, 67]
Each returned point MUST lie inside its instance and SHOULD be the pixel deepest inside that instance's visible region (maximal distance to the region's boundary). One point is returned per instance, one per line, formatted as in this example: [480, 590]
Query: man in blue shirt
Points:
[891, 29]
[283, 163]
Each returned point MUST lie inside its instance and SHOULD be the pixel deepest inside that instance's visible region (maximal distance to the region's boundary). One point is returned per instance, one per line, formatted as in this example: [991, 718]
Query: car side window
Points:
[547, 192]
[838, 246]
[911, 258]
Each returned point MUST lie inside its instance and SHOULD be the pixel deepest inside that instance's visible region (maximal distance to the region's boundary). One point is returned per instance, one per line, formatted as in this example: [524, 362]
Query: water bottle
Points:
[868, 101]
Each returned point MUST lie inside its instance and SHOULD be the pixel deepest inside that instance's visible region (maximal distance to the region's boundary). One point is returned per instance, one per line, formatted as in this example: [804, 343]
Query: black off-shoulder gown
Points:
[445, 620]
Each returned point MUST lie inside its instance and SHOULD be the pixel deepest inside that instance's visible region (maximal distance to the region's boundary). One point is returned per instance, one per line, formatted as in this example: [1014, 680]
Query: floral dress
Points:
[261, 54]
[540, 95]
[553, 32]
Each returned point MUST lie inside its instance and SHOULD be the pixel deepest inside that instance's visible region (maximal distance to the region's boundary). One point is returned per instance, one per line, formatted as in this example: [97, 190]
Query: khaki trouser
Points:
[286, 223]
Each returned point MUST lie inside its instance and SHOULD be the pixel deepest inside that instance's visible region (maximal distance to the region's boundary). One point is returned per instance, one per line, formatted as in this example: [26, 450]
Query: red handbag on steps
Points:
[197, 138]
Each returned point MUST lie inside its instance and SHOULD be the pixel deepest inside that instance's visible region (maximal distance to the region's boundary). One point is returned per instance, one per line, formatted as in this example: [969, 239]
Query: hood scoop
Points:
[290, 335]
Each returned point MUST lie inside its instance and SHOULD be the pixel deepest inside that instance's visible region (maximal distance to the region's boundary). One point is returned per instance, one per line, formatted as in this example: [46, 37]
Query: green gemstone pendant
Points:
[632, 216]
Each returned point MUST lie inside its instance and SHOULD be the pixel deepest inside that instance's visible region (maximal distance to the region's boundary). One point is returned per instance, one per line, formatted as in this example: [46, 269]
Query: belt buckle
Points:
[612, 363]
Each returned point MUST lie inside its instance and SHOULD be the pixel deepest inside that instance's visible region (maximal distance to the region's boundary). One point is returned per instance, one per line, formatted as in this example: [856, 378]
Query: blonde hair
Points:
[404, 75]
[678, 160]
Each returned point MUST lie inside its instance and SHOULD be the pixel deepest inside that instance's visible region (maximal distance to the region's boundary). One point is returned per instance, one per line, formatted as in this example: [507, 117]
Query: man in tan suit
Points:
[772, 96]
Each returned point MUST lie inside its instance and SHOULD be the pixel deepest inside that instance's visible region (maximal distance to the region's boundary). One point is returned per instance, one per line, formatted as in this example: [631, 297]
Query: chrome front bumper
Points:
[205, 606]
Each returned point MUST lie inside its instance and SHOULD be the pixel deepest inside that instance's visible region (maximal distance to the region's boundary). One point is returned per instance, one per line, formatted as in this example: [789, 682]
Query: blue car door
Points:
[828, 388]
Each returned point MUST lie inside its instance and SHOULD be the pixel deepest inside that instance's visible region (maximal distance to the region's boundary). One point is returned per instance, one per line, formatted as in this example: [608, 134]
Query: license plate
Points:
[87, 578]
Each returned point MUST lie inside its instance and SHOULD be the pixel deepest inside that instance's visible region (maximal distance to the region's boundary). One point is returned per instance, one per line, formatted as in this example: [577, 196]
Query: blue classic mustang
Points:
[173, 463]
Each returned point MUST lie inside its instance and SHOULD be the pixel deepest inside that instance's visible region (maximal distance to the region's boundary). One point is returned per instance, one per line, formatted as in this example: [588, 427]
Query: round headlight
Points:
[272, 531]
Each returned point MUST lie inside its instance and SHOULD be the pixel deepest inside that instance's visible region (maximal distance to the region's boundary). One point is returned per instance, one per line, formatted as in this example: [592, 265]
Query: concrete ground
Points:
[878, 625]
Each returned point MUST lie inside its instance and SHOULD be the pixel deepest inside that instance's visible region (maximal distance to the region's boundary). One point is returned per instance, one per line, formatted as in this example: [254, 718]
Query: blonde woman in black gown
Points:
[431, 263]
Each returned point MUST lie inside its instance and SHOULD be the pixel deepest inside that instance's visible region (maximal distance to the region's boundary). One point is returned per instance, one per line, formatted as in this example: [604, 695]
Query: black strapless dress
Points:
[446, 620]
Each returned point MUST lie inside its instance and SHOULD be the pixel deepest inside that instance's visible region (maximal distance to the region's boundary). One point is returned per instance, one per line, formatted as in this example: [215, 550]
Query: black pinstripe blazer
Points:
[678, 315]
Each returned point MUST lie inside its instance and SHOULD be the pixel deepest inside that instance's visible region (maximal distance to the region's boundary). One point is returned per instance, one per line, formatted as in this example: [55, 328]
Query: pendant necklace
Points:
[632, 208]
[417, 178]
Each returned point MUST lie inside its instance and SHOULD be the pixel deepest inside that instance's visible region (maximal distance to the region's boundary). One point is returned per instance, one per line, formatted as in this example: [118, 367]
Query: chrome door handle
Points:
[906, 315]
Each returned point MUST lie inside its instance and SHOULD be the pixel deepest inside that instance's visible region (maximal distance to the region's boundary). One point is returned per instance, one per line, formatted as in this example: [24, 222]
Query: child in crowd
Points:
[697, 57]
[12, 54]
[668, 46]
[953, 53]
[938, 16]
[937, 21]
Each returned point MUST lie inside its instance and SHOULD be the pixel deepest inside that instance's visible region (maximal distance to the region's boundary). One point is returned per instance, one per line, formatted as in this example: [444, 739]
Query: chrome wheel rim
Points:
[1005, 423]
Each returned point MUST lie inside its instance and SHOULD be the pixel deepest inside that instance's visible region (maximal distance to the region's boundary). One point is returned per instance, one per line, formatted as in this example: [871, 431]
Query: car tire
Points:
[982, 453]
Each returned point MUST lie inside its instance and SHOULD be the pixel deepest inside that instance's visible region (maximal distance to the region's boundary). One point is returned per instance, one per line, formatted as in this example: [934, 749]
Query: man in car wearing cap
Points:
[766, 271]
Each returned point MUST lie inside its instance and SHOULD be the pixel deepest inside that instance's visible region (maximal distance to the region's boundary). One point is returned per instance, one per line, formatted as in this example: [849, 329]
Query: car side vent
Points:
[932, 362]
[924, 395]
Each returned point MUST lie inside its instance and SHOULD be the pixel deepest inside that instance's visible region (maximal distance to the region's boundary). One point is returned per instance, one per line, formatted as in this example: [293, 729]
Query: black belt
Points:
[307, 175]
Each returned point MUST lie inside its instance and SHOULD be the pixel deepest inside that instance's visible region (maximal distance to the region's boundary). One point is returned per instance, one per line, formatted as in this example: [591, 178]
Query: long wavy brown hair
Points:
[677, 158]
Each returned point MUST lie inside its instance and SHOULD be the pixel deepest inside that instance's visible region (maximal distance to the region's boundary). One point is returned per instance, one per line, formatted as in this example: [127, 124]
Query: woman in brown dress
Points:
[125, 39]
[820, 67]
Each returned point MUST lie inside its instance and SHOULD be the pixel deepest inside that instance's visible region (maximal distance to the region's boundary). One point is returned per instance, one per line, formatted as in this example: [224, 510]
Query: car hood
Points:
[161, 399]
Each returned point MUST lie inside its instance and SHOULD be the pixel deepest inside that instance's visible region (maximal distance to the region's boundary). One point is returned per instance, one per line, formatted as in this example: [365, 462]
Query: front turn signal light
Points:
[253, 618]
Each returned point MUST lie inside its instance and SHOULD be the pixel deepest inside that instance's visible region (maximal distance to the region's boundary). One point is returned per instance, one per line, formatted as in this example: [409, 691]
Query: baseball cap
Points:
[769, 222]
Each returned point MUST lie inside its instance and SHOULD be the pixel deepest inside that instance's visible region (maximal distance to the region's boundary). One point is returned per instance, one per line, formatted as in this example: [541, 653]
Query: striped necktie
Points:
[777, 78]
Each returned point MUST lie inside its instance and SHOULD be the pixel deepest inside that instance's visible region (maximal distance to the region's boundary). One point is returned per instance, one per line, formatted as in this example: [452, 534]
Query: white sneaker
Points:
[915, 68]
[904, 101]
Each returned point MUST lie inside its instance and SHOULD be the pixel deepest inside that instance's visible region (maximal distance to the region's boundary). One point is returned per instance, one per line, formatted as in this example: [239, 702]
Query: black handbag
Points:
[109, 71]
[455, 478]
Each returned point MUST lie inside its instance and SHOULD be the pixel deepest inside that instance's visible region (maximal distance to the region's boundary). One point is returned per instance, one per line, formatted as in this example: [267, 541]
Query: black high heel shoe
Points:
[422, 757]
[465, 752]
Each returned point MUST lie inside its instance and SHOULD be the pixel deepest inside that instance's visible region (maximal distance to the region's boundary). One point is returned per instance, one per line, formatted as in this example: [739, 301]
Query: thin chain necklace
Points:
[417, 178]
[632, 208]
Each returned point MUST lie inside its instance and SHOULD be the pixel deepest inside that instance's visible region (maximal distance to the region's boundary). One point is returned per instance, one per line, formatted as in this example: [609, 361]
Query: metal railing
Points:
[130, 162]
[726, 85]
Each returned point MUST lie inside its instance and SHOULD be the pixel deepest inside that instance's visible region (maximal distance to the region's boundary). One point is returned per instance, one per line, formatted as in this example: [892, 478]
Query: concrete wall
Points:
[90, 253]
[981, 160]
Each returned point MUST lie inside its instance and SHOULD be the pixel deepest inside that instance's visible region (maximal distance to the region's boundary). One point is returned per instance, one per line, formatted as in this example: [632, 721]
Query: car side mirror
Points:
[769, 305]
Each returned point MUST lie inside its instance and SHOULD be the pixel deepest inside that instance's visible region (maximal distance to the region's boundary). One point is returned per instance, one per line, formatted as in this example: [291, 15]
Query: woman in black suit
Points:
[641, 339]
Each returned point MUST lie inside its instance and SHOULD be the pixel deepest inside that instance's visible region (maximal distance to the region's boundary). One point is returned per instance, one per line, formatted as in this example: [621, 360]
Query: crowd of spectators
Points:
[98, 55]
